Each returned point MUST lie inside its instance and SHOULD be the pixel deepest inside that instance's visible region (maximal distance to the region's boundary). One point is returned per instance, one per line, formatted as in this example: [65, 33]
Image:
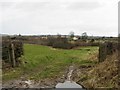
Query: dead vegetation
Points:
[103, 75]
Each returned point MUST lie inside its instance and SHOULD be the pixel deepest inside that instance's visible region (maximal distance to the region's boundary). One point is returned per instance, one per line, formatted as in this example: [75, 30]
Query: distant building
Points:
[75, 38]
[44, 37]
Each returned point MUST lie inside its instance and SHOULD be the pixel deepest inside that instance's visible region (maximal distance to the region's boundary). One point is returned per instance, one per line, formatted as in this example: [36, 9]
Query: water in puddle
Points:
[69, 83]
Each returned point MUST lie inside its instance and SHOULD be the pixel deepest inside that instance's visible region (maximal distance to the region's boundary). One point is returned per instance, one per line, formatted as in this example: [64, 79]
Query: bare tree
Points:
[71, 34]
[84, 36]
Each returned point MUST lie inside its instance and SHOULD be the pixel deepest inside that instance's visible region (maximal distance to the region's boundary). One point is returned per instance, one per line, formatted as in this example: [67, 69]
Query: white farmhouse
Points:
[75, 38]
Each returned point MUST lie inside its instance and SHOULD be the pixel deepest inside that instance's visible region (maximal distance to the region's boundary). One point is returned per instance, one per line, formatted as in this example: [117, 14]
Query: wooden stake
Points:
[13, 55]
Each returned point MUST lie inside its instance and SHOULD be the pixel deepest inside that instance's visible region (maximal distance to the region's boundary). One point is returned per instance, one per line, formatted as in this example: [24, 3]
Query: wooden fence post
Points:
[9, 55]
[102, 52]
[13, 55]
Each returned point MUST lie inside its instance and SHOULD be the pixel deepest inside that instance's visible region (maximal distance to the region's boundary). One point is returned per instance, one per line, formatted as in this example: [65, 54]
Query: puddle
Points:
[69, 83]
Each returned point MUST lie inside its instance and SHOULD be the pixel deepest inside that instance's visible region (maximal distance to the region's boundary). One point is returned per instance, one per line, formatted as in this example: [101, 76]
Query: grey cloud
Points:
[84, 5]
[33, 6]
[6, 5]
[65, 27]
[28, 6]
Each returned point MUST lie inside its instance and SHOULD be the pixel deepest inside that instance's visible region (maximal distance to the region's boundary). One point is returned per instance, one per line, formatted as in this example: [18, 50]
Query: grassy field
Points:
[41, 62]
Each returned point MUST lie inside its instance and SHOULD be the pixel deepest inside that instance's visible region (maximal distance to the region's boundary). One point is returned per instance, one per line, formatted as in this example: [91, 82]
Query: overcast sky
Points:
[96, 17]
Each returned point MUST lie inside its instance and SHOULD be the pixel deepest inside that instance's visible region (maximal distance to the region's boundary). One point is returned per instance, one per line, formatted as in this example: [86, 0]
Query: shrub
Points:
[63, 45]
[107, 48]
[11, 51]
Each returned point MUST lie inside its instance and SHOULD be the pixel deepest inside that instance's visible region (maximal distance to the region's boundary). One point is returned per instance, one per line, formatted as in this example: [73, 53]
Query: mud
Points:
[72, 74]
[69, 83]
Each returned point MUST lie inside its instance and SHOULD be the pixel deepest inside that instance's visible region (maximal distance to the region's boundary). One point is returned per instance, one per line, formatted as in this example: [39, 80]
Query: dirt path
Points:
[69, 77]
[23, 82]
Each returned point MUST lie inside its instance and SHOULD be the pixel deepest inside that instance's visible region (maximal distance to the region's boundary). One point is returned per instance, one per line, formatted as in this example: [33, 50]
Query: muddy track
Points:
[70, 74]
[23, 82]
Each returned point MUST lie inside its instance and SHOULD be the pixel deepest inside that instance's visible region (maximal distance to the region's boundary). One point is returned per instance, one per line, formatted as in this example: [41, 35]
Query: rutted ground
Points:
[46, 83]
[44, 66]
[69, 78]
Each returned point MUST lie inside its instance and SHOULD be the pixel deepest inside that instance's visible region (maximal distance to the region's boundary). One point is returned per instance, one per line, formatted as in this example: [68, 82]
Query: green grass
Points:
[46, 62]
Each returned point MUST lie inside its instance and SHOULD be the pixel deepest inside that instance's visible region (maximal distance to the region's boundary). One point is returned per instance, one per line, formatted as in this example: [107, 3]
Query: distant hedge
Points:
[63, 45]
[11, 51]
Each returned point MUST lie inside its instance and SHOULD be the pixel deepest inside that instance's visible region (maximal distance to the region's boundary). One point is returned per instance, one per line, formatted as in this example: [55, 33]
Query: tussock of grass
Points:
[104, 74]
